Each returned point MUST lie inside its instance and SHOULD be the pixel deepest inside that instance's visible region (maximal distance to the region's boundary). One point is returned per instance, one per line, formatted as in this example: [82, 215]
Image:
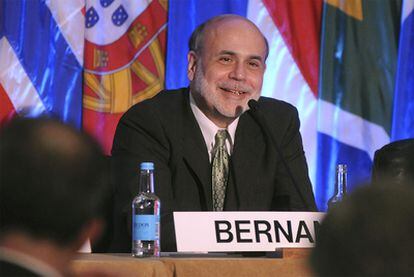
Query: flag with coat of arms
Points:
[88, 61]
[123, 62]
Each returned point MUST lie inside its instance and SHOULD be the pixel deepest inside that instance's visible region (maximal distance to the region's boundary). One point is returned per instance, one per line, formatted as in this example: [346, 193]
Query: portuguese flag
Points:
[346, 65]
[124, 61]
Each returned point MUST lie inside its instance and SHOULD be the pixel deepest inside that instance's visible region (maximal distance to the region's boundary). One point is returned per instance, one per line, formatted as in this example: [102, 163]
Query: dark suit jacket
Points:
[164, 130]
[11, 269]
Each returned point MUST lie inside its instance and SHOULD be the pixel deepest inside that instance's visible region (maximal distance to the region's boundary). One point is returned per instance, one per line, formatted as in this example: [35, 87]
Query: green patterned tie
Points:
[220, 170]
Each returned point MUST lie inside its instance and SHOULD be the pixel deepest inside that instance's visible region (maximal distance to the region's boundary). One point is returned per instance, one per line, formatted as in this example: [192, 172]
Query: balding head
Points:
[196, 42]
[226, 64]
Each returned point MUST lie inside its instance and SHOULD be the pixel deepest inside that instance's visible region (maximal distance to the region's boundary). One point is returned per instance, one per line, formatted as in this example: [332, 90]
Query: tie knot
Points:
[221, 136]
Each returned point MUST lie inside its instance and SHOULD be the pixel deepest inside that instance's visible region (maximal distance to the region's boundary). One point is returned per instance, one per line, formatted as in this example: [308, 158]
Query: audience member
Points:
[371, 233]
[395, 161]
[51, 192]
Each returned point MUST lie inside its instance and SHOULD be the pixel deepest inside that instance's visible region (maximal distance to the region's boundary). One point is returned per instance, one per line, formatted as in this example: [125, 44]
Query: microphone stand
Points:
[261, 121]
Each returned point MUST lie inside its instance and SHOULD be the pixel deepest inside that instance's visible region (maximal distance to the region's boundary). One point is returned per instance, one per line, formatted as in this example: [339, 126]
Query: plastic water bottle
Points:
[340, 185]
[146, 216]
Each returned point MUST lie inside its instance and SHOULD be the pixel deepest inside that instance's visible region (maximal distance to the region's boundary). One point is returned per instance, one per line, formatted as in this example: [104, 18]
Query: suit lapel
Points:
[195, 155]
[249, 148]
[245, 167]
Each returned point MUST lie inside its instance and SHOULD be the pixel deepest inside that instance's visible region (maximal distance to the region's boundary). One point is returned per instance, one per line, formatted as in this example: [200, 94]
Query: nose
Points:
[238, 72]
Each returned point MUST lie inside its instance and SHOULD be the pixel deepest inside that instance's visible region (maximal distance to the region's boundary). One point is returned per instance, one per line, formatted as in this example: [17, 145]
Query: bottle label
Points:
[146, 227]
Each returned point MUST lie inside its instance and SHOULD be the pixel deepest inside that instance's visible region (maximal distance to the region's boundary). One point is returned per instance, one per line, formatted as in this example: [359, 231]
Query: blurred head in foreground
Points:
[395, 161]
[51, 190]
[369, 233]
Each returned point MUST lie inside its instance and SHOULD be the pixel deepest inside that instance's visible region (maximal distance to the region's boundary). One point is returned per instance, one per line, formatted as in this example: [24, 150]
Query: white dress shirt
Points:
[209, 129]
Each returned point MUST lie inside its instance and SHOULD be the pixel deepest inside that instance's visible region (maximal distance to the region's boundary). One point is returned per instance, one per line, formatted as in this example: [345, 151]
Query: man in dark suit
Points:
[210, 153]
[51, 196]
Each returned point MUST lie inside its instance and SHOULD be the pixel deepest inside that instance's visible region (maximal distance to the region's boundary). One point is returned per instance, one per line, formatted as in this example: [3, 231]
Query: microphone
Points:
[261, 121]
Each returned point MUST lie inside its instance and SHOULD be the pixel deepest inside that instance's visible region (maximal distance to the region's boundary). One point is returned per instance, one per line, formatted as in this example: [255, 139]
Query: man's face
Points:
[229, 70]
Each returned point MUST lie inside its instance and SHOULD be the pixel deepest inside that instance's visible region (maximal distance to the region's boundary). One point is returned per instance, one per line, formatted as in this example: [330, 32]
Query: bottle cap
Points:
[341, 168]
[147, 166]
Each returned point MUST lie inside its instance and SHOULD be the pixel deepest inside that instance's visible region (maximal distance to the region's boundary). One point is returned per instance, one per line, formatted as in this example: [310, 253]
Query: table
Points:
[293, 263]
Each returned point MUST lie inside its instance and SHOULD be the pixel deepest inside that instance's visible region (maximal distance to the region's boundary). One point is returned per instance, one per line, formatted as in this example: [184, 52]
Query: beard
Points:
[209, 100]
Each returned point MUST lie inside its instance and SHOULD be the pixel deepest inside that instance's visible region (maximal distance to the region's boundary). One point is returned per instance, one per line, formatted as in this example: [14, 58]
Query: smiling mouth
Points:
[233, 91]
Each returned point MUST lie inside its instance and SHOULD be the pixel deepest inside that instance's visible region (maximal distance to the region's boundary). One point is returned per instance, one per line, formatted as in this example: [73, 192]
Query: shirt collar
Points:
[209, 129]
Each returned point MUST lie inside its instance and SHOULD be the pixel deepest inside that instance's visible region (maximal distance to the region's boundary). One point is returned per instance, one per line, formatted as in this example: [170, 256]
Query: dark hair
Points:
[51, 179]
[371, 233]
[196, 40]
[395, 161]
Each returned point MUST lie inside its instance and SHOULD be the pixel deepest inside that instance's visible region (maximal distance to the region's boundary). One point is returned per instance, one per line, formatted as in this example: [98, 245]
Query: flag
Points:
[403, 116]
[88, 61]
[124, 60]
[41, 57]
[292, 29]
[358, 62]
[116, 46]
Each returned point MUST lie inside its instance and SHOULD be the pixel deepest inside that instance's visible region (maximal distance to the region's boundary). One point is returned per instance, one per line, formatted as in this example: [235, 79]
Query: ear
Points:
[192, 65]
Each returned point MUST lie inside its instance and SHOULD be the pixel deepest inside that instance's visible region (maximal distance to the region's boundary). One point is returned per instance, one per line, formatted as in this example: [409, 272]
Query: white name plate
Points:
[245, 231]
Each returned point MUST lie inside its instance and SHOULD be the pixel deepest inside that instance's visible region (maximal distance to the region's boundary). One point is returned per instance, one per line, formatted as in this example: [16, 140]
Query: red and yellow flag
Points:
[124, 61]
